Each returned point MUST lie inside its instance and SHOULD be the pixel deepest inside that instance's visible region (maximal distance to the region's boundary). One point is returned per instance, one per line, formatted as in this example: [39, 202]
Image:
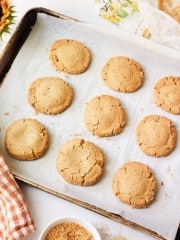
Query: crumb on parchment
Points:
[146, 33]
[106, 236]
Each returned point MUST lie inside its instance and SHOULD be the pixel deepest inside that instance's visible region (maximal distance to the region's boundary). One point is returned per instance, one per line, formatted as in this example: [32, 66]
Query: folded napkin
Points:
[15, 219]
[144, 18]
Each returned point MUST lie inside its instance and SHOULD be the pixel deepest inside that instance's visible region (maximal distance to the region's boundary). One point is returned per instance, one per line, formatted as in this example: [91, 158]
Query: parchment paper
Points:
[33, 62]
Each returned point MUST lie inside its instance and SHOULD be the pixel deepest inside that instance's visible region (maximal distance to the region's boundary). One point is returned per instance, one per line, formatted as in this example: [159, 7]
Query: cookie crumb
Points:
[167, 196]
[6, 113]
[103, 233]
[106, 236]
[169, 170]
[77, 134]
[146, 33]
[162, 184]
[66, 76]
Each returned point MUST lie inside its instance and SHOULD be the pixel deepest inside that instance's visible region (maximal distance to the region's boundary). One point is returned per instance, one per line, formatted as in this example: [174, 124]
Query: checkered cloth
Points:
[15, 220]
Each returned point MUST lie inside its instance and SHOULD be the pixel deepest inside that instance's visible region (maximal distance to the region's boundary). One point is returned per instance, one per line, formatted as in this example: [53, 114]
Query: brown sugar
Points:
[68, 231]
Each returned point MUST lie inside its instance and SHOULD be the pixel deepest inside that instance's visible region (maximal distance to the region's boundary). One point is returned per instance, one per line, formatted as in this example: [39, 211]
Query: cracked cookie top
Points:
[70, 56]
[26, 139]
[80, 162]
[123, 74]
[134, 184]
[104, 116]
[167, 94]
[50, 95]
[156, 135]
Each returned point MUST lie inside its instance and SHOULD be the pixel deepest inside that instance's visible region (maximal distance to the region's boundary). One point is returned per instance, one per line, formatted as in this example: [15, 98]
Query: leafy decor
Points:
[6, 16]
[117, 10]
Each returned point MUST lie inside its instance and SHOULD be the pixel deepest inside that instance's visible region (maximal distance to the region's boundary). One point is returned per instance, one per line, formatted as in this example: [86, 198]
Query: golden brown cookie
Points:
[26, 139]
[80, 162]
[104, 116]
[156, 135]
[134, 184]
[70, 56]
[167, 94]
[123, 74]
[171, 7]
[50, 95]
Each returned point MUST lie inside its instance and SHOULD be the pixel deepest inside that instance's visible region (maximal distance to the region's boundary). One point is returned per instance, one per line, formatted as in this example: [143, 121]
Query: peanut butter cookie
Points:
[123, 74]
[167, 94]
[80, 162]
[26, 139]
[70, 56]
[50, 95]
[134, 184]
[171, 7]
[104, 116]
[156, 135]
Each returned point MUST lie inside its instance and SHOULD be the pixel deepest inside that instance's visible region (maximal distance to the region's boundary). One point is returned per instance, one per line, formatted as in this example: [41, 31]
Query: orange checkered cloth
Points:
[15, 219]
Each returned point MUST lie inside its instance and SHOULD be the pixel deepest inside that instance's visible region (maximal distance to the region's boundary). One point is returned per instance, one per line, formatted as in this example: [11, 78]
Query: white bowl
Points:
[79, 221]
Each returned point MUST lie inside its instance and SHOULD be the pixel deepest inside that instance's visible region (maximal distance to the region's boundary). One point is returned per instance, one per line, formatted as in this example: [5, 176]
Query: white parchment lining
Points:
[33, 62]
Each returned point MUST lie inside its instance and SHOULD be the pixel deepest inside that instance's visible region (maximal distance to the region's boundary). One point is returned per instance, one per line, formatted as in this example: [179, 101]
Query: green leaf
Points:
[121, 13]
[130, 2]
[124, 5]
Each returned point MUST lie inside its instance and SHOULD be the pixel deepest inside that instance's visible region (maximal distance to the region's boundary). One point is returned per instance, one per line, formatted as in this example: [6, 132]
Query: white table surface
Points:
[43, 206]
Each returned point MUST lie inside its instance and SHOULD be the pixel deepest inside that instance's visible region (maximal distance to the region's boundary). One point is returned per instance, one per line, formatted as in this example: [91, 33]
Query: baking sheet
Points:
[33, 62]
